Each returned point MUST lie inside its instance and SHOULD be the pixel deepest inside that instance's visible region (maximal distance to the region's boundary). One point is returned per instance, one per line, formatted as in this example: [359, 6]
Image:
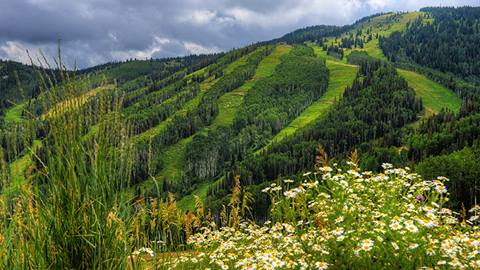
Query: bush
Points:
[346, 220]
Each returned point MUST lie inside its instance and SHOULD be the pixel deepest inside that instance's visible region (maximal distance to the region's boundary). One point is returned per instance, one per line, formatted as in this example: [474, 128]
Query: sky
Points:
[93, 32]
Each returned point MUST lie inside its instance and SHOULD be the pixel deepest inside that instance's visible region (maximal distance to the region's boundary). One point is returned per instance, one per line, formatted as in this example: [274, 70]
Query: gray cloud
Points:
[96, 31]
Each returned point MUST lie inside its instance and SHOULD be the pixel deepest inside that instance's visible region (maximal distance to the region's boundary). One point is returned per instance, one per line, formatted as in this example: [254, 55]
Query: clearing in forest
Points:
[434, 96]
[174, 155]
[383, 25]
[14, 114]
[229, 103]
[341, 76]
[18, 167]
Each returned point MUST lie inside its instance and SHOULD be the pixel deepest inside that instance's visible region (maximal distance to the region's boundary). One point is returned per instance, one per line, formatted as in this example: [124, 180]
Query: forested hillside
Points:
[147, 153]
[17, 83]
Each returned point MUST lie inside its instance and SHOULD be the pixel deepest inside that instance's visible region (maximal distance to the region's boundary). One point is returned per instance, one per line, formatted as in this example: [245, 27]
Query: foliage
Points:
[312, 33]
[449, 43]
[267, 108]
[341, 76]
[462, 168]
[18, 83]
[92, 162]
[343, 220]
[377, 104]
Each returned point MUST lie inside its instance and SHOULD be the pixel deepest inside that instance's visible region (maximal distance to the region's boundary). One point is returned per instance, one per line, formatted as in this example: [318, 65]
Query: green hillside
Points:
[341, 76]
[14, 114]
[173, 157]
[370, 30]
[435, 97]
[231, 102]
[208, 93]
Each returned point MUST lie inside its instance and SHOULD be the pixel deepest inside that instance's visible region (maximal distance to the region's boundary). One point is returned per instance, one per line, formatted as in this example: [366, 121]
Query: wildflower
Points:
[387, 166]
[475, 264]
[455, 262]
[321, 265]
[473, 218]
[310, 184]
[443, 178]
[472, 254]
[276, 188]
[290, 194]
[316, 247]
[143, 250]
[338, 231]
[428, 223]
[339, 219]
[451, 220]
[411, 228]
[326, 169]
[420, 198]
[366, 245]
[395, 226]
[441, 189]
[474, 209]
[288, 181]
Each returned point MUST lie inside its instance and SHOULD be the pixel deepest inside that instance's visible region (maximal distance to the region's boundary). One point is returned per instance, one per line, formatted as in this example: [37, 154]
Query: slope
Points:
[14, 114]
[435, 97]
[19, 166]
[341, 76]
[228, 104]
[369, 32]
[173, 156]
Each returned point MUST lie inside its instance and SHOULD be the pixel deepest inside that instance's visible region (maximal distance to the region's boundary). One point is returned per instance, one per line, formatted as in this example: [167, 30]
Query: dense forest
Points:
[298, 80]
[448, 43]
[17, 82]
[378, 103]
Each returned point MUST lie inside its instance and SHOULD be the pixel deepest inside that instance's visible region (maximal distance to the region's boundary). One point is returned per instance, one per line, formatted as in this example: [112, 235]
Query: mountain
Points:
[11, 75]
[398, 88]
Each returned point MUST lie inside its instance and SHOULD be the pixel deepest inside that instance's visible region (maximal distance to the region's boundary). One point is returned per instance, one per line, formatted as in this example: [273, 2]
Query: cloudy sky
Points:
[96, 31]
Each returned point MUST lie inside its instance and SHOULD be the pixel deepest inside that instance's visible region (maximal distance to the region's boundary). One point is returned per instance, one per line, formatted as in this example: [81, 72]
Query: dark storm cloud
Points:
[96, 31]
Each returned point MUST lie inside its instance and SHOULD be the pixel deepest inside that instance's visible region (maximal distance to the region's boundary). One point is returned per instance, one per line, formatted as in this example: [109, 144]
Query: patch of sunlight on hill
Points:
[434, 96]
[383, 25]
[14, 114]
[19, 166]
[74, 103]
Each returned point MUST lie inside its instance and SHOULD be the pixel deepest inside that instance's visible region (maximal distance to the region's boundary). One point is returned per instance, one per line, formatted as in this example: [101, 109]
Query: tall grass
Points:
[71, 213]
